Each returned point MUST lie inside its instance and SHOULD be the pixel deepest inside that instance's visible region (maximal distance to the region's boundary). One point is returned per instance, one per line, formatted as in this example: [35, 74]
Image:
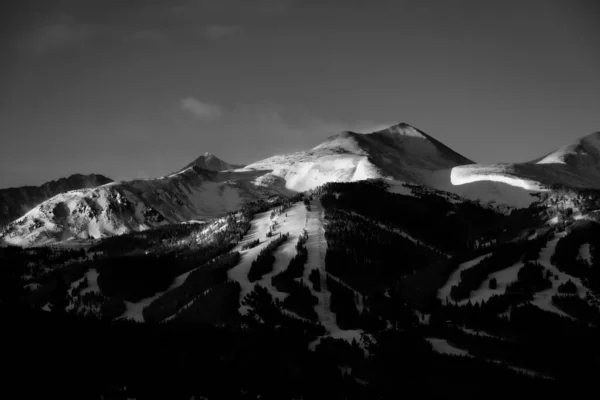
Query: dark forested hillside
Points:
[344, 305]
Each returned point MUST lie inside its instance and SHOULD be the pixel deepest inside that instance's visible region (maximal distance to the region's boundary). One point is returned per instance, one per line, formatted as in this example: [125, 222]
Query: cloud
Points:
[216, 32]
[201, 110]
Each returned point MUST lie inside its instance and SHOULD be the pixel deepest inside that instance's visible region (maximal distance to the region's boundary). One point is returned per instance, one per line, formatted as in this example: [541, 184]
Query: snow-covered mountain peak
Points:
[211, 162]
[403, 129]
[586, 147]
[344, 141]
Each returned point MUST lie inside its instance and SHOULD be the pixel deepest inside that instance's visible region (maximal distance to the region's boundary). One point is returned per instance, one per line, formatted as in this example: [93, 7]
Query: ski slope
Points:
[292, 222]
[135, 310]
[444, 292]
[317, 249]
[442, 346]
[543, 299]
[503, 278]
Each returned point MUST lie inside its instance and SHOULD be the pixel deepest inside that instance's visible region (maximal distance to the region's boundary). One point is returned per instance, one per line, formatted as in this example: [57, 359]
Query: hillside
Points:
[121, 207]
[576, 165]
[337, 291]
[14, 202]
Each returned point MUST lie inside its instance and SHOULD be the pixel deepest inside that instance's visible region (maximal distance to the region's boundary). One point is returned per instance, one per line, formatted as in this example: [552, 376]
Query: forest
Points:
[384, 266]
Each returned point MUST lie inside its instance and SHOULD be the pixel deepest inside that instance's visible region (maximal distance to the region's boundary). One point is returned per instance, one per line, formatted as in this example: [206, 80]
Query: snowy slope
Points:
[575, 165]
[209, 187]
[117, 208]
[14, 202]
[292, 222]
[401, 152]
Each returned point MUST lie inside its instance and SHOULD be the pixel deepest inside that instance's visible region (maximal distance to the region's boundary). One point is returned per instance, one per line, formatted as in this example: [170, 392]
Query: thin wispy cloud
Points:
[201, 110]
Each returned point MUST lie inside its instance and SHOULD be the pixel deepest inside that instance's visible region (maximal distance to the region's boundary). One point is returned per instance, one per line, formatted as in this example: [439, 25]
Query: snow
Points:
[444, 292]
[479, 333]
[349, 335]
[135, 310]
[358, 296]
[116, 209]
[317, 248]
[399, 187]
[258, 230]
[503, 278]
[584, 253]
[543, 299]
[443, 347]
[553, 220]
[423, 318]
[185, 306]
[307, 170]
[467, 174]
[92, 282]
[293, 221]
[520, 369]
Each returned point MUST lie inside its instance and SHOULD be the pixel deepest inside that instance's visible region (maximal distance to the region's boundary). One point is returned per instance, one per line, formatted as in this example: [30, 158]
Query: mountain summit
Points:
[211, 162]
[209, 187]
[400, 152]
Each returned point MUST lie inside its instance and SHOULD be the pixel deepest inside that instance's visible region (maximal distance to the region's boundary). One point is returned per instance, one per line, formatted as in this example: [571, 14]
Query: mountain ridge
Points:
[16, 201]
[209, 187]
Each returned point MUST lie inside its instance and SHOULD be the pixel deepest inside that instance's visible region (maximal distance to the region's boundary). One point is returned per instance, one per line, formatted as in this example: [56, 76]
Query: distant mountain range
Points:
[209, 187]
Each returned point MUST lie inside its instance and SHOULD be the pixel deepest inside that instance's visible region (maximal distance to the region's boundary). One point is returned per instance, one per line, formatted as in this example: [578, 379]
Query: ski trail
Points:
[543, 299]
[357, 295]
[317, 249]
[293, 223]
[401, 233]
[239, 273]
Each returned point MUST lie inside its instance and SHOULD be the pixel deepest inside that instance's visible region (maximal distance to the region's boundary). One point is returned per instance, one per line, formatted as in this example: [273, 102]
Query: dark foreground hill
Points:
[348, 291]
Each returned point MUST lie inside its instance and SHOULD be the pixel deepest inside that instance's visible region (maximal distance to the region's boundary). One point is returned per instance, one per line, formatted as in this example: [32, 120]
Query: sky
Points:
[139, 88]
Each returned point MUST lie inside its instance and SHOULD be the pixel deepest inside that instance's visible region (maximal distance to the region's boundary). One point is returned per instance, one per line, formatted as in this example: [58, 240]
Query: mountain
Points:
[400, 152]
[15, 202]
[576, 165]
[120, 207]
[339, 293]
[209, 187]
[345, 271]
[211, 162]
